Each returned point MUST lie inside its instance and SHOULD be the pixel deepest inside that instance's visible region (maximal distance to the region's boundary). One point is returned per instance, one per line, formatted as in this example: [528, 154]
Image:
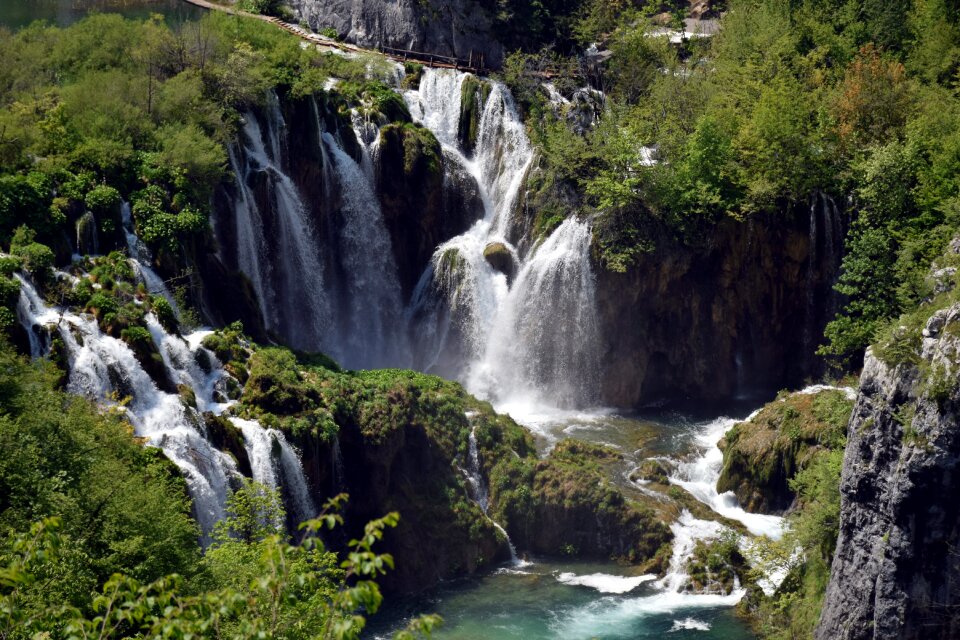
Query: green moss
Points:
[473, 96]
[375, 100]
[567, 501]
[422, 155]
[414, 72]
[715, 565]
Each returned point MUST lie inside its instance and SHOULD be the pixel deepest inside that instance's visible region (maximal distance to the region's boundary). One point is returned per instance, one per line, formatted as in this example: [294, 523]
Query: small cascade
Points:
[88, 241]
[275, 463]
[102, 368]
[700, 473]
[687, 530]
[368, 135]
[514, 559]
[503, 155]
[474, 474]
[140, 260]
[34, 316]
[259, 445]
[436, 104]
[338, 477]
[105, 370]
[477, 488]
[826, 240]
[294, 481]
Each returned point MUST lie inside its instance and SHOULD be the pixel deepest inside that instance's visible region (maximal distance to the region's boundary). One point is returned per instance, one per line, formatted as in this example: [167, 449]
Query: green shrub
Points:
[102, 199]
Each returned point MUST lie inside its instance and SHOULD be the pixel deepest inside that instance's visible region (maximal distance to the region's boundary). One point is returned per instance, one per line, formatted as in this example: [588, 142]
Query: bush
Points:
[102, 199]
[37, 261]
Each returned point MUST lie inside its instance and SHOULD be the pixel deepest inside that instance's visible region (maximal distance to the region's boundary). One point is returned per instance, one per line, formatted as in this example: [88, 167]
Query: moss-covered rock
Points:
[651, 470]
[499, 256]
[223, 435]
[414, 72]
[761, 455]
[397, 439]
[565, 504]
[473, 96]
[375, 100]
[423, 204]
[715, 565]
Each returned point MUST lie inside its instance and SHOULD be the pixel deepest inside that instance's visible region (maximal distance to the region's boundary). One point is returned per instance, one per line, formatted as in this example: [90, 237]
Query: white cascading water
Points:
[275, 463]
[105, 369]
[537, 339]
[610, 616]
[290, 288]
[544, 342]
[341, 298]
[373, 308]
[341, 293]
[700, 474]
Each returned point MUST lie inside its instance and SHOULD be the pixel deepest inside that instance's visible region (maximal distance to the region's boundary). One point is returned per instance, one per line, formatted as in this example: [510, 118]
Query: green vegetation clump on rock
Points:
[800, 438]
[763, 454]
[566, 502]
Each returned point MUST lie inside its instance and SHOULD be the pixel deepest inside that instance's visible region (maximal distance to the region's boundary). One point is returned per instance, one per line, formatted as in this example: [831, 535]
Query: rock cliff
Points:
[896, 571]
[738, 313]
[461, 28]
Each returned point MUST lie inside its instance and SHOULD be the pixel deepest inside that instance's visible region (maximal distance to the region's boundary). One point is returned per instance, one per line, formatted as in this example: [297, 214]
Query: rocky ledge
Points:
[896, 571]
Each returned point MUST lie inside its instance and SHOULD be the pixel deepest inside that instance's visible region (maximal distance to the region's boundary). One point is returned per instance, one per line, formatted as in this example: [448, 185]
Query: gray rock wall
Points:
[444, 27]
[896, 571]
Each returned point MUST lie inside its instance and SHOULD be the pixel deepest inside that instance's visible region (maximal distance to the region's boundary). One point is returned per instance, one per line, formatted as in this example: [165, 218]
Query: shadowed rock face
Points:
[454, 28]
[738, 315]
[896, 571]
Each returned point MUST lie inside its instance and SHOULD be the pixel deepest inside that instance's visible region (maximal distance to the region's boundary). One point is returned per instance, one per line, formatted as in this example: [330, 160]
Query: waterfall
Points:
[251, 242]
[275, 463]
[259, 445]
[140, 260]
[327, 279]
[373, 307]
[474, 474]
[103, 368]
[436, 104]
[544, 342]
[336, 463]
[700, 474]
[106, 370]
[826, 238]
[539, 336]
[477, 490]
[291, 288]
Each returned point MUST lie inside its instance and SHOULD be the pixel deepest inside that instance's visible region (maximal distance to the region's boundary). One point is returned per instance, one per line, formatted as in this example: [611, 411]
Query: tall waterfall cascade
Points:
[537, 338]
[327, 279]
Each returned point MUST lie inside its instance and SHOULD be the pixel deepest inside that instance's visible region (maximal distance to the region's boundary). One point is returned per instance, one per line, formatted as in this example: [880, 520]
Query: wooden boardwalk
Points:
[474, 64]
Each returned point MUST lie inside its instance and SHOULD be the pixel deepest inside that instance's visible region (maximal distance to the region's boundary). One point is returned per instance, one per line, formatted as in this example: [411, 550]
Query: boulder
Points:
[499, 256]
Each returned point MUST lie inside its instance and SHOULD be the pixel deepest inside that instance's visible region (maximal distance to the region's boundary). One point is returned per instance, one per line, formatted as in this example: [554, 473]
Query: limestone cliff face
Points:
[742, 312]
[450, 28]
[896, 571]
